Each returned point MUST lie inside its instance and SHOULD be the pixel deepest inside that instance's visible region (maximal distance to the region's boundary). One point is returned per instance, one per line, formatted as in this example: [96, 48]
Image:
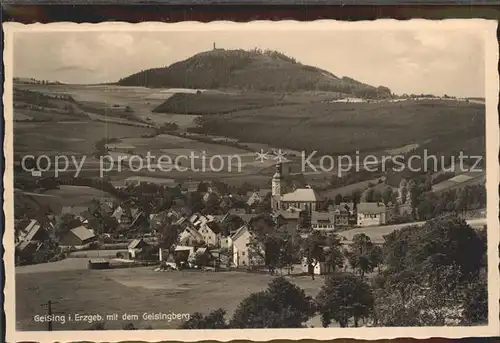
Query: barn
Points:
[79, 236]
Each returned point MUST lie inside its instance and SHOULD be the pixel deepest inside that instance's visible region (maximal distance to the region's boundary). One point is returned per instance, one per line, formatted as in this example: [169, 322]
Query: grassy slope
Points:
[239, 69]
[343, 128]
[136, 291]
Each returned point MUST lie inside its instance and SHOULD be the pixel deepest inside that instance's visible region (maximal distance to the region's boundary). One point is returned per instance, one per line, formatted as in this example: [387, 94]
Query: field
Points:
[77, 195]
[69, 138]
[343, 128]
[136, 291]
[377, 233]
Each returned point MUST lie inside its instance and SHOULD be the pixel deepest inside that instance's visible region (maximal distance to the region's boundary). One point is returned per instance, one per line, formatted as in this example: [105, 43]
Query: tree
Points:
[312, 251]
[231, 224]
[195, 202]
[66, 222]
[376, 257]
[168, 235]
[342, 297]
[476, 301]
[281, 305]
[214, 320]
[334, 257]
[212, 205]
[129, 326]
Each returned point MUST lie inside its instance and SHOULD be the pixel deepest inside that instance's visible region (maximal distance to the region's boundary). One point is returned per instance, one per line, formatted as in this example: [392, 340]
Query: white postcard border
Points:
[492, 176]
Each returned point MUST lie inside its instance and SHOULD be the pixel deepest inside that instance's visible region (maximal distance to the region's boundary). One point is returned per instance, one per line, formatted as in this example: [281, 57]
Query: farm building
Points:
[136, 246]
[98, 263]
[77, 237]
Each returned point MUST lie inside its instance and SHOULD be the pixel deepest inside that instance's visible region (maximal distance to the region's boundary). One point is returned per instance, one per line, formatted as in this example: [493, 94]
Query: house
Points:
[78, 237]
[319, 268]
[257, 196]
[241, 250]
[136, 246]
[237, 211]
[34, 231]
[121, 214]
[323, 221]
[211, 233]
[289, 218]
[226, 242]
[190, 237]
[344, 215]
[370, 214]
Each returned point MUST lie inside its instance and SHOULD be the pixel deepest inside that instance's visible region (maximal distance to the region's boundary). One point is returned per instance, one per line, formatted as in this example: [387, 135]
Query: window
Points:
[242, 253]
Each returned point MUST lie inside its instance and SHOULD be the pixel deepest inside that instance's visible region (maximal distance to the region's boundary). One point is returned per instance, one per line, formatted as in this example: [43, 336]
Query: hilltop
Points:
[254, 70]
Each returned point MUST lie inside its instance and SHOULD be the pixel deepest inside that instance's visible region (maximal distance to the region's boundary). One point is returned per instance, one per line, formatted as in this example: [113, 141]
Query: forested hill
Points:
[249, 70]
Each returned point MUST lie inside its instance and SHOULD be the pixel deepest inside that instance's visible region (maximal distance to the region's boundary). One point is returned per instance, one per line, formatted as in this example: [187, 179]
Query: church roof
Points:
[301, 195]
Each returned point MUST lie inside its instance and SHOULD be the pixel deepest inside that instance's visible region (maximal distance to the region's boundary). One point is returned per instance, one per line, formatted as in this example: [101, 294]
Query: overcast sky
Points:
[439, 62]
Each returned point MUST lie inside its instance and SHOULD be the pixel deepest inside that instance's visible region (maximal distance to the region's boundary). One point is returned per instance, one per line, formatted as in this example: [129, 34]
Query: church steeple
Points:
[276, 187]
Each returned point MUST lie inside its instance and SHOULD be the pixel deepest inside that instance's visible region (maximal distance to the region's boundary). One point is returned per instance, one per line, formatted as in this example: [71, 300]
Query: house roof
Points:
[237, 211]
[247, 217]
[32, 229]
[82, 233]
[136, 243]
[344, 207]
[194, 233]
[239, 232]
[370, 207]
[288, 214]
[301, 195]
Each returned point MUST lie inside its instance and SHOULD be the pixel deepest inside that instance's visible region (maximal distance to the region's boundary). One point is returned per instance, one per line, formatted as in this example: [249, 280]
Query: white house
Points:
[318, 269]
[241, 239]
[323, 221]
[210, 233]
[136, 247]
[190, 236]
[370, 214]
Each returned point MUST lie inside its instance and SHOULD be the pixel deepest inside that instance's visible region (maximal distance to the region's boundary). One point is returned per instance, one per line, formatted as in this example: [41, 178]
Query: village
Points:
[217, 231]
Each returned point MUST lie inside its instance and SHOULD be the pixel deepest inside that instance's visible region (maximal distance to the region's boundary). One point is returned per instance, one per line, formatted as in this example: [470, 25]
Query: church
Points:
[304, 199]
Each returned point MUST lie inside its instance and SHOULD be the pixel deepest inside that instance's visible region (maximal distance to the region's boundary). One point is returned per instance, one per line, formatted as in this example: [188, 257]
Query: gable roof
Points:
[344, 207]
[317, 217]
[82, 233]
[31, 230]
[301, 195]
[370, 207]
[136, 243]
[247, 217]
[288, 214]
[239, 232]
[195, 234]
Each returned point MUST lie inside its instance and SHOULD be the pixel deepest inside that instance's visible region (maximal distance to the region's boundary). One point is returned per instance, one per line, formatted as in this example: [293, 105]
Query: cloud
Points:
[430, 61]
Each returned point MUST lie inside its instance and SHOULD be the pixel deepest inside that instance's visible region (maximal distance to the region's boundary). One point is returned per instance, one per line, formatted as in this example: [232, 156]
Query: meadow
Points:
[343, 128]
[70, 138]
[135, 291]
